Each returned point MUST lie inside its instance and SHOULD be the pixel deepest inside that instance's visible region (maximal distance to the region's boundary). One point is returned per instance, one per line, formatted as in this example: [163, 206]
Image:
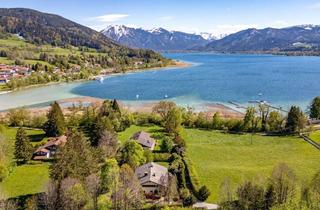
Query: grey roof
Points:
[152, 172]
[144, 139]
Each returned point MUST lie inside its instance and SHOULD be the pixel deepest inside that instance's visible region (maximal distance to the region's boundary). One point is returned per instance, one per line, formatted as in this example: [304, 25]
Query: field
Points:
[315, 136]
[25, 179]
[217, 156]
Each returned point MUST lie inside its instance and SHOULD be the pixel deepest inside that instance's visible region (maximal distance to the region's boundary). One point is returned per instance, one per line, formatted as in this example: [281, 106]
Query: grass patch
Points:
[216, 156]
[155, 131]
[315, 136]
[26, 179]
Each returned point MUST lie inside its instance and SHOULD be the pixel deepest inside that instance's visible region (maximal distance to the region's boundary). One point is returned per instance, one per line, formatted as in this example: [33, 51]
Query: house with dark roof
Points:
[49, 149]
[152, 177]
[145, 140]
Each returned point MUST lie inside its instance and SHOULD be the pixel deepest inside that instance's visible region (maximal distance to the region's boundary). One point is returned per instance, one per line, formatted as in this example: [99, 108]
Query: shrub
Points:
[203, 193]
[161, 157]
[188, 201]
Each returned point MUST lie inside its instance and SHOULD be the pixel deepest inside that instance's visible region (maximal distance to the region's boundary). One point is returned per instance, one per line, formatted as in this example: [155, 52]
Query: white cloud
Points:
[110, 18]
[166, 18]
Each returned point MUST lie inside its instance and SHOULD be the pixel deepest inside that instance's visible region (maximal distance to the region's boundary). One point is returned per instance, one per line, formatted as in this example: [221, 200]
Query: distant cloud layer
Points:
[110, 18]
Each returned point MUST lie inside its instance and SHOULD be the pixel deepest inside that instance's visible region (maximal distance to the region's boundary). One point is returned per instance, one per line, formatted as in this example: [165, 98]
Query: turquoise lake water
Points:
[280, 80]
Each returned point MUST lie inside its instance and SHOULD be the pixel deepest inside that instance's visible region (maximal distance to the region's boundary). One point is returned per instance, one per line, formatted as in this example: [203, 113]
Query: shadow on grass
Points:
[36, 137]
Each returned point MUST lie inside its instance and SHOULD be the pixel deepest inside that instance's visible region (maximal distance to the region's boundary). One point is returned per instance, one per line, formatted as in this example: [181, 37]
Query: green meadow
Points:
[28, 178]
[217, 156]
[315, 136]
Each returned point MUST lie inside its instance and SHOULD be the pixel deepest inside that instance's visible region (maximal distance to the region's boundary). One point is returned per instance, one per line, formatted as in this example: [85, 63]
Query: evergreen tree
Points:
[296, 120]
[75, 159]
[23, 147]
[315, 108]
[55, 126]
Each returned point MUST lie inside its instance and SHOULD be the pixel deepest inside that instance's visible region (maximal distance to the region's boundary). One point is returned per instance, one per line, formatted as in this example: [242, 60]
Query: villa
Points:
[49, 149]
[145, 140]
[153, 178]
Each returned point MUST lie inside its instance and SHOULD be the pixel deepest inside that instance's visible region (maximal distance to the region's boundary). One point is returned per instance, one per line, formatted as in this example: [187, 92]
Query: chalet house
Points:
[49, 149]
[152, 177]
[145, 140]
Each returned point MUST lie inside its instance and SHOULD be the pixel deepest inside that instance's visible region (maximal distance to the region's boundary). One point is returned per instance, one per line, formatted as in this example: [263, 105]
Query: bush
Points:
[188, 201]
[203, 193]
[166, 145]
[18, 117]
[161, 157]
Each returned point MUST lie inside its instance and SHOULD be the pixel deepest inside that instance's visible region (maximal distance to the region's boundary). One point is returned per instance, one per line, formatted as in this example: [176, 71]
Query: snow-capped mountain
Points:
[208, 36]
[294, 38]
[156, 39]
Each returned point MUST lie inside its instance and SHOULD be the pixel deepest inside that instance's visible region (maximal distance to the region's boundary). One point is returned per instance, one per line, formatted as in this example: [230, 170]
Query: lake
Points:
[280, 80]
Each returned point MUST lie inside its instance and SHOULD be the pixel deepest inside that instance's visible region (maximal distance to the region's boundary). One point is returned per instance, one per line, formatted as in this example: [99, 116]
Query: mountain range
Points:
[158, 39]
[296, 38]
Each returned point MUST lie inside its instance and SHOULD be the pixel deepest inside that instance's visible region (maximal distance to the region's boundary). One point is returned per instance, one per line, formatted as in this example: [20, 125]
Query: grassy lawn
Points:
[315, 136]
[216, 156]
[155, 131]
[26, 179]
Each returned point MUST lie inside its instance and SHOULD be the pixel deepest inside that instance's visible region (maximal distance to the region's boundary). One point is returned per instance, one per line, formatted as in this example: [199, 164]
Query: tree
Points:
[264, 113]
[75, 159]
[275, 121]
[23, 147]
[283, 182]
[249, 118]
[170, 192]
[109, 175]
[129, 194]
[166, 145]
[250, 196]
[203, 193]
[163, 108]
[177, 168]
[93, 188]
[109, 143]
[173, 120]
[216, 121]
[226, 191]
[315, 108]
[269, 197]
[73, 194]
[132, 154]
[55, 126]
[18, 117]
[295, 120]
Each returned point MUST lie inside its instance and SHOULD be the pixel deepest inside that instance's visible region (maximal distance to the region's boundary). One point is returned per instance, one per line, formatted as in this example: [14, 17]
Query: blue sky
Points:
[215, 16]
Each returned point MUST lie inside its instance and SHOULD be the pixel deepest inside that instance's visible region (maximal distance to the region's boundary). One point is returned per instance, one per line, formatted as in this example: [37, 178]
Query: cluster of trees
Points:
[261, 119]
[281, 191]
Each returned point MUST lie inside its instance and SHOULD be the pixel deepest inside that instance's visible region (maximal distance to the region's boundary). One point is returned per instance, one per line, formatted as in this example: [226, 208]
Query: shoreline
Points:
[177, 65]
[209, 108]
